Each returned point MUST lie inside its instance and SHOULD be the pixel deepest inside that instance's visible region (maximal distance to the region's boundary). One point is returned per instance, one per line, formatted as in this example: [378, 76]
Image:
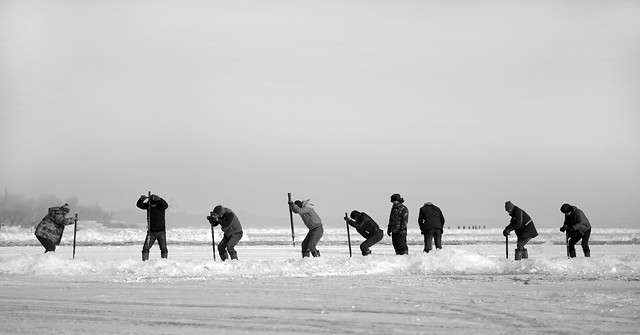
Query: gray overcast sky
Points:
[464, 103]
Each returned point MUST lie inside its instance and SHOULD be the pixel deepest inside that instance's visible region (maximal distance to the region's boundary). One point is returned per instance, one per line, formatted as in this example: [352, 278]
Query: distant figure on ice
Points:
[397, 228]
[49, 230]
[578, 227]
[156, 207]
[366, 227]
[431, 222]
[313, 223]
[524, 227]
[232, 229]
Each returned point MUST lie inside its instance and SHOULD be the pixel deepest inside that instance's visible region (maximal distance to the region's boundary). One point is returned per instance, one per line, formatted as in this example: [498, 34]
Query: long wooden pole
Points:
[213, 241]
[348, 234]
[507, 248]
[566, 242]
[293, 235]
[75, 229]
[146, 239]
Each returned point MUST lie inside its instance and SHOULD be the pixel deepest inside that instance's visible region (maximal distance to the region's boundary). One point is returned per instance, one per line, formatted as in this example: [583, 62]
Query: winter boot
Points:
[587, 254]
[224, 256]
[305, 254]
[145, 256]
[233, 255]
[518, 254]
[366, 252]
[316, 254]
[164, 254]
[572, 253]
[525, 253]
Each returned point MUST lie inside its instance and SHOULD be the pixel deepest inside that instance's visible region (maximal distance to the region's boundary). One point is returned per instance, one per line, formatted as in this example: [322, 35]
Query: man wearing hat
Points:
[578, 227]
[49, 230]
[232, 229]
[397, 227]
[523, 225]
[156, 207]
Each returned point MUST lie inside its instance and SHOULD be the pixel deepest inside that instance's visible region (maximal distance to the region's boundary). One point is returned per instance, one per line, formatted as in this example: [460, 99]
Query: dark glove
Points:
[213, 220]
[505, 232]
[143, 197]
[562, 229]
[389, 232]
[290, 203]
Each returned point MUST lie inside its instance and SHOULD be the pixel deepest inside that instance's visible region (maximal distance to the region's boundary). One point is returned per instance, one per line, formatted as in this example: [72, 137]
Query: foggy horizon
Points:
[466, 105]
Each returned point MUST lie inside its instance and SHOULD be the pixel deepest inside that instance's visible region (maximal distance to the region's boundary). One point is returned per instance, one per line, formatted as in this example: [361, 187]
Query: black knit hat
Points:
[565, 208]
[354, 215]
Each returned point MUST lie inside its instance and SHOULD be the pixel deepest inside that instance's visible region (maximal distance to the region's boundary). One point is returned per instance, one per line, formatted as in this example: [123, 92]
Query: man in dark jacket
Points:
[366, 227]
[431, 222]
[232, 229]
[523, 225]
[578, 227]
[397, 228]
[156, 206]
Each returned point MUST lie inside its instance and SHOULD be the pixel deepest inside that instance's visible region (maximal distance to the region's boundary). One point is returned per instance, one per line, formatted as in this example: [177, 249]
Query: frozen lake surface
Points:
[461, 289]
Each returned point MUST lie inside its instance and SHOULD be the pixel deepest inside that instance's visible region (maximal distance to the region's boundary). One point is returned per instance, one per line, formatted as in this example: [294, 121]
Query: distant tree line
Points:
[17, 210]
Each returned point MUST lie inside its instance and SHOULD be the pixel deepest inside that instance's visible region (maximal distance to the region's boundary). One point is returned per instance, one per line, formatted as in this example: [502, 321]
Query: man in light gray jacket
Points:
[313, 223]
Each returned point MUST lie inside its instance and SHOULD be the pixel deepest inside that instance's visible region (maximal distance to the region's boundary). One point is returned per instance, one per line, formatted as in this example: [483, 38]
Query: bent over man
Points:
[431, 222]
[366, 227]
[523, 225]
[578, 228]
[313, 223]
[232, 231]
[50, 229]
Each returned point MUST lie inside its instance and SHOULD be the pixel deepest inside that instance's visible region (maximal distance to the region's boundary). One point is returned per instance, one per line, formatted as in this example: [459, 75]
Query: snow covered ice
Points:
[467, 287]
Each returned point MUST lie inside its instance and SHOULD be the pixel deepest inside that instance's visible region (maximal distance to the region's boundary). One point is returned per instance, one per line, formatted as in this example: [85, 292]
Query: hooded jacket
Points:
[430, 217]
[52, 225]
[156, 216]
[308, 215]
[577, 221]
[365, 226]
[229, 222]
[522, 224]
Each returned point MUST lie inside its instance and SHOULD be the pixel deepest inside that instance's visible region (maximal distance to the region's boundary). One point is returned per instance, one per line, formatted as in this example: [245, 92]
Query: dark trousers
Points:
[310, 241]
[161, 236]
[434, 235]
[522, 242]
[399, 241]
[47, 244]
[228, 243]
[574, 237]
[364, 247]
